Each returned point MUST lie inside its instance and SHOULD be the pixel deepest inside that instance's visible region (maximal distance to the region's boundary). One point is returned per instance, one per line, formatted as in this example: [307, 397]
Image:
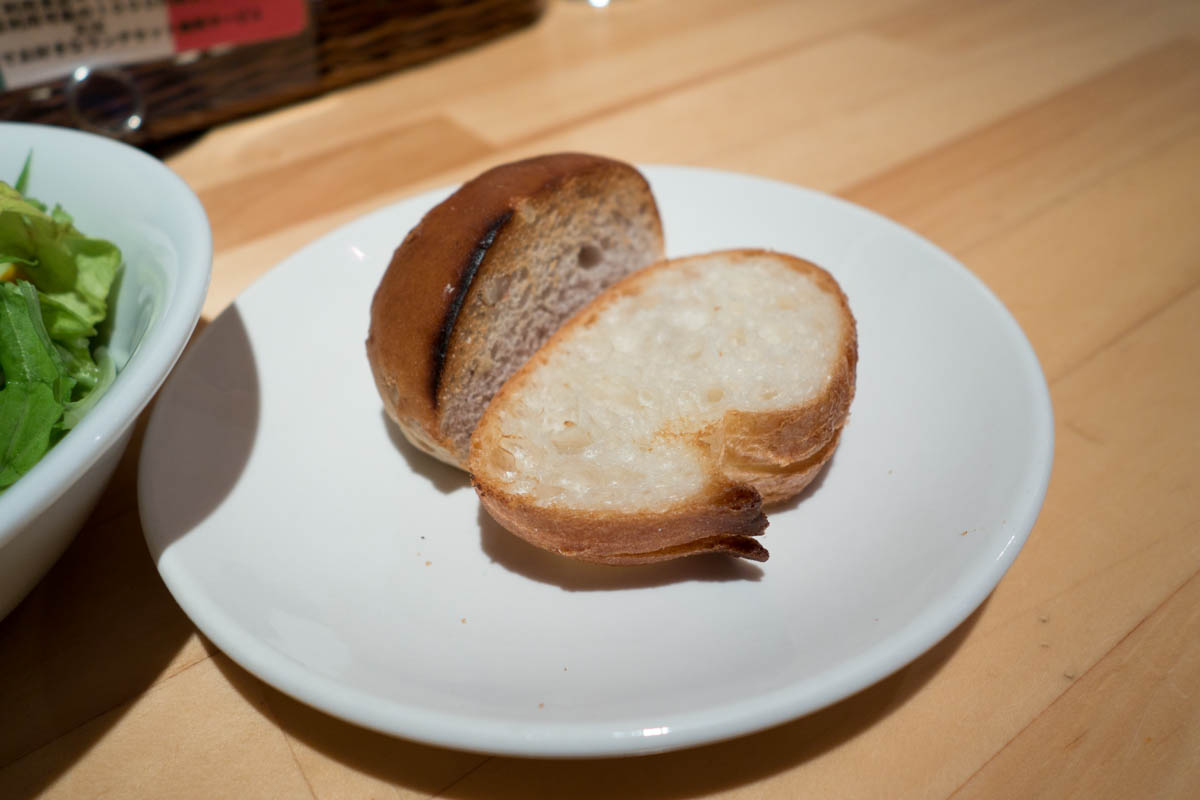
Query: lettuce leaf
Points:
[36, 387]
[54, 288]
[72, 269]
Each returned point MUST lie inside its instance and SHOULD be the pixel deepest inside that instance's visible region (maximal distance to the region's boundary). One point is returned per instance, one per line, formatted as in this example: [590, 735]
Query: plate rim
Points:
[551, 739]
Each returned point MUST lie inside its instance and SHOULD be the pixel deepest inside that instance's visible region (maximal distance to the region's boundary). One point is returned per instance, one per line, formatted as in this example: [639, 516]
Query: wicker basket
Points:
[345, 41]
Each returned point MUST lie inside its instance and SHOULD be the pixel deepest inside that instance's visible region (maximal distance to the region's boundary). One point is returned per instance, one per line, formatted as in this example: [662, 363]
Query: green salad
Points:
[54, 289]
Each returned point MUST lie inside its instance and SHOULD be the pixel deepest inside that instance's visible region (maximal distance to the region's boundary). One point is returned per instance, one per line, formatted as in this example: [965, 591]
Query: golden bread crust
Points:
[721, 520]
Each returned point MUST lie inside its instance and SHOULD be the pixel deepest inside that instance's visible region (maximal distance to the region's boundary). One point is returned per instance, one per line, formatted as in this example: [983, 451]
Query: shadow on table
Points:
[95, 633]
[362, 760]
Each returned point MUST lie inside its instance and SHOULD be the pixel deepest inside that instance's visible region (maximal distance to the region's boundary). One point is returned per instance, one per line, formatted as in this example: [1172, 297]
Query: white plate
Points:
[323, 554]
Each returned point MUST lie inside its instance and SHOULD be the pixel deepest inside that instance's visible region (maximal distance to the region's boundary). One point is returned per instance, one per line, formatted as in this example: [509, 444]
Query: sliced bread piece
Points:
[489, 274]
[657, 422]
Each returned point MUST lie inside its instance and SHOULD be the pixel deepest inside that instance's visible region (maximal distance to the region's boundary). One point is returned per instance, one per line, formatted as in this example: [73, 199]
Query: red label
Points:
[201, 24]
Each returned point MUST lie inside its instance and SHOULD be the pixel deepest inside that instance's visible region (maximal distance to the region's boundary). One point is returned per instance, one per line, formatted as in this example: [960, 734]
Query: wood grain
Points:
[1126, 727]
[1054, 148]
[305, 188]
[229, 742]
[1003, 174]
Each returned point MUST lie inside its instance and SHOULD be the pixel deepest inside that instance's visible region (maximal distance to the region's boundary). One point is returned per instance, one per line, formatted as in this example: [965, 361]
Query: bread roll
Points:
[489, 274]
[658, 421]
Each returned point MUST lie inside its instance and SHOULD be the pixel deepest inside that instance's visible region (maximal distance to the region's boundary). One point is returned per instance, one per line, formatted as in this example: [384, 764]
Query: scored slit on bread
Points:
[489, 274]
[658, 421]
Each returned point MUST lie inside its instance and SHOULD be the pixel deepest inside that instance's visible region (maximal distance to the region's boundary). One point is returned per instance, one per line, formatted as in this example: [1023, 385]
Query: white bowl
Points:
[119, 193]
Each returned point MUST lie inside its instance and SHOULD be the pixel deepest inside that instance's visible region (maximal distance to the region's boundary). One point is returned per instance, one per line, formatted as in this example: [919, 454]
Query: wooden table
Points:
[1053, 147]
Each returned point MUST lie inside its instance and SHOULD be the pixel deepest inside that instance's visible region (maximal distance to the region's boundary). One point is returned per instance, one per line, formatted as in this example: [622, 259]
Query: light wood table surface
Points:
[1052, 147]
